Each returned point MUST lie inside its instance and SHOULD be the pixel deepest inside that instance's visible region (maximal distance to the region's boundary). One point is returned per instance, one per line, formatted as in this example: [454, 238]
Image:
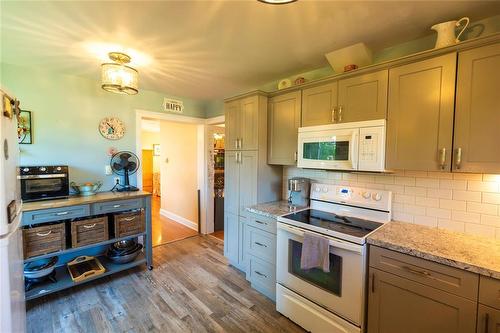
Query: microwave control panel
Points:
[371, 148]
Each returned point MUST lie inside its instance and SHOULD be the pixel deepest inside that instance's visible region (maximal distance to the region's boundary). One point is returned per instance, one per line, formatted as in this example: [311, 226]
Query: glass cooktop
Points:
[348, 225]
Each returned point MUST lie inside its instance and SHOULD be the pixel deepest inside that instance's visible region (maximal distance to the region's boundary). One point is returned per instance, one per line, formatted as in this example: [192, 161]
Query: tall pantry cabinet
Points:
[248, 178]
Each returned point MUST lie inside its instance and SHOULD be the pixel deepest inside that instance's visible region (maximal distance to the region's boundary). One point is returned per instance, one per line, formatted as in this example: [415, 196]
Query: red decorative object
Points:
[350, 67]
[112, 151]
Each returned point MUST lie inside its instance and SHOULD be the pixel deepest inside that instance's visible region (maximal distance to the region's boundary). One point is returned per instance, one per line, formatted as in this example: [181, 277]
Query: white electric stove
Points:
[334, 301]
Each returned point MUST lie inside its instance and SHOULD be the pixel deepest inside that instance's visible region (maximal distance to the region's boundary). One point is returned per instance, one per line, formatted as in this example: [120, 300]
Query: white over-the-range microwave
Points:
[356, 146]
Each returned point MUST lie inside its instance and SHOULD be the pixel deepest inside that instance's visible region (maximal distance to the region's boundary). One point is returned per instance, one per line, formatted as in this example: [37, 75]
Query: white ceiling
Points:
[213, 49]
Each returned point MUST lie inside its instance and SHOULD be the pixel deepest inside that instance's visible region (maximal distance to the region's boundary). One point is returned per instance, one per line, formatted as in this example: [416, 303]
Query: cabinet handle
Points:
[62, 213]
[373, 282]
[333, 114]
[458, 158]
[236, 144]
[89, 226]
[295, 156]
[339, 115]
[486, 322]
[416, 271]
[442, 158]
[44, 234]
[117, 206]
[241, 143]
[260, 222]
[260, 244]
[261, 274]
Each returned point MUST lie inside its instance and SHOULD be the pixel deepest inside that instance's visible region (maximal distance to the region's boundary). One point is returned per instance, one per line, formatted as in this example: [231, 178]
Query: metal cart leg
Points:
[149, 234]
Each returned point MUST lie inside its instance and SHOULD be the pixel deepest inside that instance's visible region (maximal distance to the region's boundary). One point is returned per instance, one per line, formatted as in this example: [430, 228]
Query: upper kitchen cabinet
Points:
[242, 122]
[420, 114]
[319, 104]
[363, 97]
[477, 111]
[284, 122]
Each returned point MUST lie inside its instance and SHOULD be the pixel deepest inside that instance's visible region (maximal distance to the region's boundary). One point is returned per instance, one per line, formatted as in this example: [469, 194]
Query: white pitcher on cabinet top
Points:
[446, 32]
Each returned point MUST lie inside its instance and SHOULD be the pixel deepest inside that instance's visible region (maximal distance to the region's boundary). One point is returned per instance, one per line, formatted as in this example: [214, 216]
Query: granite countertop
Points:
[79, 200]
[272, 209]
[471, 253]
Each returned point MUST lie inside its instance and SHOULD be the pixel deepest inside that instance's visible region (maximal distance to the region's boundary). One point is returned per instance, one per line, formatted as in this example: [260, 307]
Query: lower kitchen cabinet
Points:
[231, 237]
[397, 305]
[488, 319]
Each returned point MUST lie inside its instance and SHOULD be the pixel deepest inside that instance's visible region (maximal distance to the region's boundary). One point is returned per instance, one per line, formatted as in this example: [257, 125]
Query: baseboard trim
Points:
[179, 219]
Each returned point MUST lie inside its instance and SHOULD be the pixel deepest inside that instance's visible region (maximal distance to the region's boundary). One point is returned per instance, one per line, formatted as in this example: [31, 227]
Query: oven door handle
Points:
[333, 241]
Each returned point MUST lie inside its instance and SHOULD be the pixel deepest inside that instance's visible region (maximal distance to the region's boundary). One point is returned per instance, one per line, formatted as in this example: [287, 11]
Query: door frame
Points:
[206, 203]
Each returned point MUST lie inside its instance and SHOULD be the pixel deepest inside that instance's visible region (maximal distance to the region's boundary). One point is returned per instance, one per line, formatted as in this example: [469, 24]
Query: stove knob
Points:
[317, 189]
[376, 196]
[43, 169]
[366, 195]
[58, 168]
[26, 169]
[325, 189]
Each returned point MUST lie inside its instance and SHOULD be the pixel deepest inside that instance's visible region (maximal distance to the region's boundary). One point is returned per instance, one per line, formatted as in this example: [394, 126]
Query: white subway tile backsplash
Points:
[482, 208]
[461, 202]
[466, 195]
[473, 185]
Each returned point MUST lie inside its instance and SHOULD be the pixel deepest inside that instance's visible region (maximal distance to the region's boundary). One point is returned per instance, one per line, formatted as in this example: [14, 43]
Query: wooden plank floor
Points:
[191, 289]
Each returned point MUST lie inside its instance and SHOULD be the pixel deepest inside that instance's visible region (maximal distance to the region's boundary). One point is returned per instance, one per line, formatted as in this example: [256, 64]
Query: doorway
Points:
[216, 136]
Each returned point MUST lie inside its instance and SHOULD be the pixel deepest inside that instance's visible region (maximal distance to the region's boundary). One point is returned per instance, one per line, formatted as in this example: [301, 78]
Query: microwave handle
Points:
[354, 150]
[333, 241]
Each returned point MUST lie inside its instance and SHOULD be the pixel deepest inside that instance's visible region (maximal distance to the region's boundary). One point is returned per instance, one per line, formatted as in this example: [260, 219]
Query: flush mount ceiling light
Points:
[117, 77]
[277, 2]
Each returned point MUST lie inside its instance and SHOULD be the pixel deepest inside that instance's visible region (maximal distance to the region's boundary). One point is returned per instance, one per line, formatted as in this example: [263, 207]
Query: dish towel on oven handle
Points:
[315, 252]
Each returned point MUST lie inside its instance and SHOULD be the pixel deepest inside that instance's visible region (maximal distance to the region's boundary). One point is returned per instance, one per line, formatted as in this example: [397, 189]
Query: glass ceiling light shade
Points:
[117, 77]
[277, 2]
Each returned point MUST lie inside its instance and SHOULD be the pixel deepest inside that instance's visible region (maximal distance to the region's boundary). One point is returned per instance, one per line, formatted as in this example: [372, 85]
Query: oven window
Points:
[43, 185]
[326, 151]
[331, 281]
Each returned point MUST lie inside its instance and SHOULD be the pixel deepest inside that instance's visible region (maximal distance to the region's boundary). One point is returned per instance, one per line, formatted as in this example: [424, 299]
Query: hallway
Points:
[164, 229]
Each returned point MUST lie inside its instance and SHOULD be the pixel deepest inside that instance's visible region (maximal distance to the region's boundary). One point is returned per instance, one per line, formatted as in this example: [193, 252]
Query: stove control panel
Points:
[356, 196]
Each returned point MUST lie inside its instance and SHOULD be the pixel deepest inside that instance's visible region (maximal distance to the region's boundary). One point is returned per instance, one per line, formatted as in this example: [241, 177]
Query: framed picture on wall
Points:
[24, 128]
[156, 150]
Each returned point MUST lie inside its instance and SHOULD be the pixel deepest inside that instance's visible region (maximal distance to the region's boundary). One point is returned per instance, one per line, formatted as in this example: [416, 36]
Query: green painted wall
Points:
[66, 112]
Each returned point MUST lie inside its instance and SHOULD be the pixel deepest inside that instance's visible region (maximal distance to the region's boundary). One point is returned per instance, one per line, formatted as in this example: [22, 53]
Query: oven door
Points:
[39, 187]
[340, 291]
[328, 149]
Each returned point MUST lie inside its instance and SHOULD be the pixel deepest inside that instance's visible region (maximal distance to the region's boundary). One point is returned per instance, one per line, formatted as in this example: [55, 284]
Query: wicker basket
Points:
[44, 239]
[127, 224]
[89, 231]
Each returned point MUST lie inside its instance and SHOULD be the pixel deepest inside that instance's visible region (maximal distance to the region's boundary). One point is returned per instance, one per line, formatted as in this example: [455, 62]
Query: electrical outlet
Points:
[117, 180]
[107, 170]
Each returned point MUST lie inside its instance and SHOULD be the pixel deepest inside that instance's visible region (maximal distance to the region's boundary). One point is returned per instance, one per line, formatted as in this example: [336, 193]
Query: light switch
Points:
[108, 170]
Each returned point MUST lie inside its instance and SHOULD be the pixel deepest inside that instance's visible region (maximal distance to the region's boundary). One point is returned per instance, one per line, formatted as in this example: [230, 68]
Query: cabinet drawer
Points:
[116, 206]
[89, 231]
[261, 222]
[488, 319]
[261, 244]
[55, 214]
[489, 292]
[439, 276]
[128, 224]
[262, 276]
[44, 239]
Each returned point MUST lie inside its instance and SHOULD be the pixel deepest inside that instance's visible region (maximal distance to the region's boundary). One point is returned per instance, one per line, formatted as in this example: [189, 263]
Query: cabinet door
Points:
[397, 305]
[318, 105]
[242, 253]
[231, 237]
[248, 179]
[488, 320]
[231, 182]
[363, 97]
[284, 122]
[477, 113]
[420, 114]
[232, 121]
[249, 123]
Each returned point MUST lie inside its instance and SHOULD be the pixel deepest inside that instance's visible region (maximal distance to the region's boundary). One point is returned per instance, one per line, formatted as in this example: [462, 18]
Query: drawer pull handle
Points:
[416, 271]
[89, 226]
[486, 323]
[117, 206]
[129, 218]
[62, 213]
[40, 234]
[260, 244]
[260, 222]
[261, 274]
